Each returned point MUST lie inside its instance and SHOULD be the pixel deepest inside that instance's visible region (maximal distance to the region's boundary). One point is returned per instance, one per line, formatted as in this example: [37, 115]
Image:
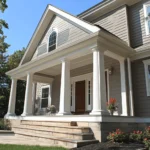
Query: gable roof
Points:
[46, 19]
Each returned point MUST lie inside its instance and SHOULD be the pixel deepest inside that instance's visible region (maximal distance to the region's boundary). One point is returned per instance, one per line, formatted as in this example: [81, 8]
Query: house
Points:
[78, 62]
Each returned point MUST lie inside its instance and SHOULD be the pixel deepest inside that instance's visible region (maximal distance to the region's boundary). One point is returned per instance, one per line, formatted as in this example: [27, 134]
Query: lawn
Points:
[21, 147]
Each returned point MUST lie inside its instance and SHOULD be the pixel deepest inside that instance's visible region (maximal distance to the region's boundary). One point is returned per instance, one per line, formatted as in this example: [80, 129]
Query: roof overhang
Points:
[44, 23]
[104, 7]
[73, 50]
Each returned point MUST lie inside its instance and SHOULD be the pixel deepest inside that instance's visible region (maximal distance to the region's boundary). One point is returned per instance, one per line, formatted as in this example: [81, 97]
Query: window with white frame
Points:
[147, 17]
[147, 75]
[52, 41]
[45, 97]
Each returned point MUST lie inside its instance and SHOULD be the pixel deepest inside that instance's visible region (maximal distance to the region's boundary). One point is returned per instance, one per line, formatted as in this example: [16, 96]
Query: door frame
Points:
[87, 77]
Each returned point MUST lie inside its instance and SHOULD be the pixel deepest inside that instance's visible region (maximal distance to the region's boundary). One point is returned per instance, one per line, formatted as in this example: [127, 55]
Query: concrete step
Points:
[68, 129]
[59, 133]
[57, 141]
[47, 123]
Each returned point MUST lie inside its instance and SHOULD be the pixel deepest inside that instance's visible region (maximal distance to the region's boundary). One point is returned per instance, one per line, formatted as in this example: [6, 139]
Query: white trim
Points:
[108, 84]
[49, 96]
[147, 78]
[145, 15]
[84, 118]
[74, 20]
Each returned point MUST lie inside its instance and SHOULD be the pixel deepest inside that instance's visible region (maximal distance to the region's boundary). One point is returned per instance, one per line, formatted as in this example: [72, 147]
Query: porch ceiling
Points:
[75, 63]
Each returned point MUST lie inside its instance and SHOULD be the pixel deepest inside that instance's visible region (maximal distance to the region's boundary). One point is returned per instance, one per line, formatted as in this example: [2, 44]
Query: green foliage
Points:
[5, 124]
[118, 136]
[147, 143]
[3, 5]
[136, 136]
[14, 60]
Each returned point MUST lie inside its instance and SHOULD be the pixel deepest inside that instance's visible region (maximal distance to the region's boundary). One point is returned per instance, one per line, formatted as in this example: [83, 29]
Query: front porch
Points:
[88, 62]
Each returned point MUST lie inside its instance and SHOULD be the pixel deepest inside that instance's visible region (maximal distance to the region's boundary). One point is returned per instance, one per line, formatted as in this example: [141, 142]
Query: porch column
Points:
[64, 107]
[99, 87]
[12, 98]
[131, 101]
[123, 88]
[28, 96]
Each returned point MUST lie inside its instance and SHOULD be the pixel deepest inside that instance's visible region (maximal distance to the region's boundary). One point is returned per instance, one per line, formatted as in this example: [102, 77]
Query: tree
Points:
[4, 80]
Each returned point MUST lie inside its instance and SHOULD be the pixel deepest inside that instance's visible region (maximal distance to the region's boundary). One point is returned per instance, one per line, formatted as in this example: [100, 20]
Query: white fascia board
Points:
[74, 20]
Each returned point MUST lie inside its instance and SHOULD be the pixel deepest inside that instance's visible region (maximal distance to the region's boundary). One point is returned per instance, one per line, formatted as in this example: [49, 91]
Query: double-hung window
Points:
[147, 17]
[45, 97]
[52, 41]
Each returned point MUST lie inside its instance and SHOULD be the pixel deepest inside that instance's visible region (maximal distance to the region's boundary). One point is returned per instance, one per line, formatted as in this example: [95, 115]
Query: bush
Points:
[5, 124]
[136, 136]
[146, 133]
[118, 136]
[146, 142]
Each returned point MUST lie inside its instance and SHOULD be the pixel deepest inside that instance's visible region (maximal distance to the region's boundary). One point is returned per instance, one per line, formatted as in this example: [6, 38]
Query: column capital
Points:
[98, 49]
[64, 59]
[13, 78]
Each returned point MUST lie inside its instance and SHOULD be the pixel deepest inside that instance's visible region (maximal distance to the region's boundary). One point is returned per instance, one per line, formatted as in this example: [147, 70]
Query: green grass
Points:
[21, 147]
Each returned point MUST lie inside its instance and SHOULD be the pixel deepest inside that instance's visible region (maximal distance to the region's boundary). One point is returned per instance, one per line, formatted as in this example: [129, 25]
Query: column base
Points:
[10, 115]
[26, 114]
[63, 113]
[101, 113]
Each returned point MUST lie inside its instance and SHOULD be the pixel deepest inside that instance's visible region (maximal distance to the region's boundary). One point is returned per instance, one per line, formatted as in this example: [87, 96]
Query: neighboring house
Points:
[78, 63]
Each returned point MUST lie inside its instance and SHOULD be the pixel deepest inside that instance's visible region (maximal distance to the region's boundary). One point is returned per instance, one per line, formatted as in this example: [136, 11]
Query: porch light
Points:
[111, 69]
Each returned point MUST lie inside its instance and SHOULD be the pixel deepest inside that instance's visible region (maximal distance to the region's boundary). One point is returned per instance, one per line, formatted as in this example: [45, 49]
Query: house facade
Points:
[78, 63]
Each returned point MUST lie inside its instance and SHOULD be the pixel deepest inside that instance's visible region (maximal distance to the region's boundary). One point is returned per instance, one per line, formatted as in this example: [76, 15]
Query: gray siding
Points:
[116, 22]
[66, 33]
[137, 25]
[141, 100]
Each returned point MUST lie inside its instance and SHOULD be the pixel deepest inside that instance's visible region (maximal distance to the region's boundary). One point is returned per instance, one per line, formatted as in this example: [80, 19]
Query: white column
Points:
[99, 87]
[28, 96]
[130, 88]
[64, 107]
[123, 89]
[12, 98]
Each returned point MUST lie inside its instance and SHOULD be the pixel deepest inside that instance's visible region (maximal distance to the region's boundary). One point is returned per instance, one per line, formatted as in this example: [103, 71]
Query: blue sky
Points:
[24, 15]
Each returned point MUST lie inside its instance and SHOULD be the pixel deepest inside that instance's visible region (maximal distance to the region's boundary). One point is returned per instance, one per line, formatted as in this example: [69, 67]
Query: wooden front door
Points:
[80, 97]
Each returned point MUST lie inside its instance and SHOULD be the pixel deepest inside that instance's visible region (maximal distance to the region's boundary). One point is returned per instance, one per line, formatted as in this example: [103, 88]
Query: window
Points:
[147, 75]
[52, 41]
[71, 94]
[45, 97]
[147, 17]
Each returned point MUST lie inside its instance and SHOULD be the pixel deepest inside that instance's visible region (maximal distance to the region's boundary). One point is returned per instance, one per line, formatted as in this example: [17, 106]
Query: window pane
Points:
[148, 10]
[52, 41]
[44, 103]
[45, 94]
[149, 25]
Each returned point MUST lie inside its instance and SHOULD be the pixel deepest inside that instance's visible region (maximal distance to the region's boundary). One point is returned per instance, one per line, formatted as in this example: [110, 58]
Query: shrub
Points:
[5, 124]
[118, 136]
[147, 133]
[136, 136]
[146, 142]
[51, 109]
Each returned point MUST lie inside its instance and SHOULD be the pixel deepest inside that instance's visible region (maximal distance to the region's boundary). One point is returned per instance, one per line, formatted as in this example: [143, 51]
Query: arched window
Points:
[52, 41]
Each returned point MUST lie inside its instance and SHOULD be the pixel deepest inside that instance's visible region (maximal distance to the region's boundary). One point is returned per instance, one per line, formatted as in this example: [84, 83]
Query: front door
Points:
[80, 97]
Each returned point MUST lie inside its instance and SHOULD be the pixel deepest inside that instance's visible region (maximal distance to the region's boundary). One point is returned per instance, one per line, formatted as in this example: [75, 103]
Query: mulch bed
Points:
[112, 146]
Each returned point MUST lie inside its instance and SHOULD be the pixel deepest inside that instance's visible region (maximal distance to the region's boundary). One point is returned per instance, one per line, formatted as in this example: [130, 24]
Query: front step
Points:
[58, 133]
[55, 133]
